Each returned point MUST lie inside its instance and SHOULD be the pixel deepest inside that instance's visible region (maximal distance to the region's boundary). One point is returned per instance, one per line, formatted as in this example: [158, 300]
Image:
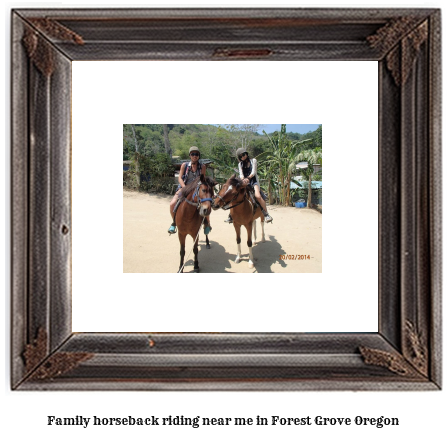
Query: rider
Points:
[188, 172]
[248, 175]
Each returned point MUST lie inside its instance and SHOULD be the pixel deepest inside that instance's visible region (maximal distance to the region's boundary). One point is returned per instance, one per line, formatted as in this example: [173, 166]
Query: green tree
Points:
[224, 162]
[279, 163]
[136, 157]
[312, 156]
[128, 143]
[166, 140]
[240, 136]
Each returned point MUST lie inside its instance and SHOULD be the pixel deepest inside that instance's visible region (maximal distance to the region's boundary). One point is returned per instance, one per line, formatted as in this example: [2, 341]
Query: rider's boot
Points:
[267, 217]
[172, 228]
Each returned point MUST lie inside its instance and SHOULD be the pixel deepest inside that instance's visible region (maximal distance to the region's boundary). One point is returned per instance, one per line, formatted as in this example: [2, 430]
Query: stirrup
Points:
[267, 218]
[172, 229]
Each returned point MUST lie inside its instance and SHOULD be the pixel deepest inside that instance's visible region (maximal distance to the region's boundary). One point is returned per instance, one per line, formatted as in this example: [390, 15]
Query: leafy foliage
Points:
[279, 164]
[312, 156]
[316, 137]
[157, 165]
[146, 146]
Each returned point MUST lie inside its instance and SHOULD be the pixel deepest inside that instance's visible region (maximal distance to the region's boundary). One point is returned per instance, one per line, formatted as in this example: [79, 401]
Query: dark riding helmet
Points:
[239, 152]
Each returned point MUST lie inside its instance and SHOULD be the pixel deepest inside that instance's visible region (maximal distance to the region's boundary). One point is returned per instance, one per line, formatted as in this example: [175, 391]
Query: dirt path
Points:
[149, 248]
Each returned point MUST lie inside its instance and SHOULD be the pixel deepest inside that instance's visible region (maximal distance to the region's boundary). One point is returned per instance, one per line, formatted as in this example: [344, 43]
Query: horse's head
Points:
[204, 195]
[229, 192]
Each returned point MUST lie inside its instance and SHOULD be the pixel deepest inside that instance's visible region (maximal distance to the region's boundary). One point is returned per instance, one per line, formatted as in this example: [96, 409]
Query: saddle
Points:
[179, 201]
[252, 198]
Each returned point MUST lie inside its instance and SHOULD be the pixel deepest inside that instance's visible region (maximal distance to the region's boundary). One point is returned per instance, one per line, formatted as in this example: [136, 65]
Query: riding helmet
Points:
[240, 151]
[193, 149]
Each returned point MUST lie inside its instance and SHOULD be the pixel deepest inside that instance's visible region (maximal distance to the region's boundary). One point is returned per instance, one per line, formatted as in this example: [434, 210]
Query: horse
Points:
[195, 204]
[234, 195]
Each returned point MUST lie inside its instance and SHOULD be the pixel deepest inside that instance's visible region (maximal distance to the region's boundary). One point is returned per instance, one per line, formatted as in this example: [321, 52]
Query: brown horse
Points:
[234, 195]
[195, 205]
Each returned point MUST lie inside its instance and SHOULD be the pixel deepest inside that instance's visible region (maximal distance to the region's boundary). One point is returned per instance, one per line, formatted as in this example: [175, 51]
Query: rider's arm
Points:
[241, 173]
[203, 170]
[182, 171]
[254, 169]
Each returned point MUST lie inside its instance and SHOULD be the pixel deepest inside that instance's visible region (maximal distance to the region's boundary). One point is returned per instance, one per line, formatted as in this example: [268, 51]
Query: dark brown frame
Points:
[405, 354]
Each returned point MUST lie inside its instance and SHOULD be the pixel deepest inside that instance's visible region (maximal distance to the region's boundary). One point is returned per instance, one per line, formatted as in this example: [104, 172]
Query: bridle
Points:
[196, 195]
[227, 205]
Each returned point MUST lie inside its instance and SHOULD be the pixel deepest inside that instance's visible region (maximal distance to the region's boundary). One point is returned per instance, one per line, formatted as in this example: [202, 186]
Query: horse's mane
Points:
[235, 181]
[193, 185]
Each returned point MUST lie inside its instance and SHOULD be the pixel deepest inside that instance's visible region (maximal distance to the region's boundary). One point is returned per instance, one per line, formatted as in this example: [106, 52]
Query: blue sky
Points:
[300, 129]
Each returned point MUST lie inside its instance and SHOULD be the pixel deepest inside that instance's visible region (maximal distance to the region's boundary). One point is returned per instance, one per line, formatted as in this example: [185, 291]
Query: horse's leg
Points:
[262, 227]
[254, 229]
[196, 260]
[206, 235]
[249, 227]
[237, 227]
[181, 238]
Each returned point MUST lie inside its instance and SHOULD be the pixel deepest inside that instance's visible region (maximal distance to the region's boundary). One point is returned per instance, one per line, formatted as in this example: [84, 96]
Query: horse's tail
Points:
[254, 228]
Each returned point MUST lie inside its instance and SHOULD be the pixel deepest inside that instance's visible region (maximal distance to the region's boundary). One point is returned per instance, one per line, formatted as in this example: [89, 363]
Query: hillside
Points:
[219, 141]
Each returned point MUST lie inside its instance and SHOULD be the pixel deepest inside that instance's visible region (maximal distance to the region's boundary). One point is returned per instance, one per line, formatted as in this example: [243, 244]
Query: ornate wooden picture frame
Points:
[405, 353]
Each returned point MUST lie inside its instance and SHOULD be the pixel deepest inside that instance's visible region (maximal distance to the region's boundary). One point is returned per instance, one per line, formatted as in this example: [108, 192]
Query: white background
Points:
[420, 414]
[341, 299]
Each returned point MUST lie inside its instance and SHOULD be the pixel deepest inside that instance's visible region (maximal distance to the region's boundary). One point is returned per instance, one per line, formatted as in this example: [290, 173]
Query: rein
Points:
[195, 204]
[227, 205]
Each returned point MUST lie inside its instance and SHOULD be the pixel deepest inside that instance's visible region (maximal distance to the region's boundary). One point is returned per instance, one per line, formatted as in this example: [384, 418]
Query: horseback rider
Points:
[188, 172]
[248, 174]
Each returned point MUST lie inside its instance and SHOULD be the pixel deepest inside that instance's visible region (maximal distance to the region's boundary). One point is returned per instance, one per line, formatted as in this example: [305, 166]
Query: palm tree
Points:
[312, 156]
[267, 181]
[280, 162]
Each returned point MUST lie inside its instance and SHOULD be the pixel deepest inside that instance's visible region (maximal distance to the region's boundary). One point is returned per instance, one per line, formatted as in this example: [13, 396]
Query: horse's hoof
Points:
[238, 260]
[208, 246]
[251, 265]
[196, 270]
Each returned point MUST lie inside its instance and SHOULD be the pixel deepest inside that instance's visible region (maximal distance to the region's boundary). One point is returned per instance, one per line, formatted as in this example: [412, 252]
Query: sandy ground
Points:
[149, 248]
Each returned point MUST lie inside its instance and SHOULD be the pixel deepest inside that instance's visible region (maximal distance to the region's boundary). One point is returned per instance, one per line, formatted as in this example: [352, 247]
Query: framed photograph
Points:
[50, 353]
[230, 199]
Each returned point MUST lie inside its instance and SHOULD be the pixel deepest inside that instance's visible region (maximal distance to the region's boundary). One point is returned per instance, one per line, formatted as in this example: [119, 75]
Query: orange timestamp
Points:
[294, 257]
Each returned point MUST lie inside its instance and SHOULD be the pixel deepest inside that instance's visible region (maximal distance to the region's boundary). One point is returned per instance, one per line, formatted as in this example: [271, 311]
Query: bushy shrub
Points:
[155, 172]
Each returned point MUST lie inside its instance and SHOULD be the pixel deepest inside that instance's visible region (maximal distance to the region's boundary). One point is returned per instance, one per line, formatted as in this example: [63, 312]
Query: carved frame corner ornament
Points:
[412, 363]
[41, 366]
[416, 350]
[400, 58]
[396, 363]
[405, 353]
[37, 37]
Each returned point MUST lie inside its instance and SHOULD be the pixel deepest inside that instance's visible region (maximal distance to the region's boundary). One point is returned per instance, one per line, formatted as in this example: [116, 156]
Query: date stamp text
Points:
[294, 257]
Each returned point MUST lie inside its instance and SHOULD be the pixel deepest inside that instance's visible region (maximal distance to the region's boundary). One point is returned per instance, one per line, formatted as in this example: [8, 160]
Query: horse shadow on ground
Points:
[214, 260]
[217, 259]
[266, 254]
